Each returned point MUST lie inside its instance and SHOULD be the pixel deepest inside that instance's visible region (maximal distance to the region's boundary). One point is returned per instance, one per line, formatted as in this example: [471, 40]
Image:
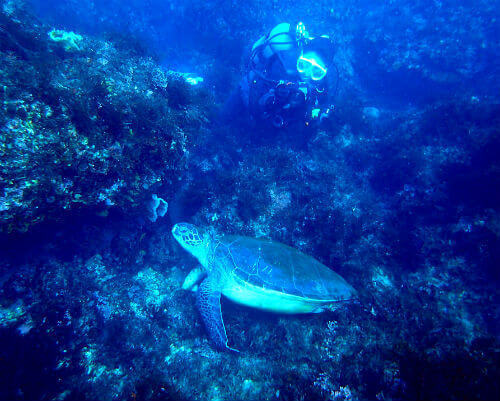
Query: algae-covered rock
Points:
[86, 130]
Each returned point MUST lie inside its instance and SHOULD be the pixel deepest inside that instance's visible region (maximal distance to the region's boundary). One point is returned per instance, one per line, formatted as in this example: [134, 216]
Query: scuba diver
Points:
[286, 79]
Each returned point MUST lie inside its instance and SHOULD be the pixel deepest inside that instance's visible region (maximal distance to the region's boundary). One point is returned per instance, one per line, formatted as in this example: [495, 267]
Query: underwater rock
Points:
[371, 112]
[85, 129]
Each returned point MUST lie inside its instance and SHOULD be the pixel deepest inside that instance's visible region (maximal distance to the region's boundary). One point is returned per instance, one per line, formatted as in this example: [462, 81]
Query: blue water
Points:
[121, 119]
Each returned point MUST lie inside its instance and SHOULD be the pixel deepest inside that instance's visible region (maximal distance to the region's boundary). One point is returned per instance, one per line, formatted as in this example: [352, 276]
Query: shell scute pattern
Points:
[278, 267]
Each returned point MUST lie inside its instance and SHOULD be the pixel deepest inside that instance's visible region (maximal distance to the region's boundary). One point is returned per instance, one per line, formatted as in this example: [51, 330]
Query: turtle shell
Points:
[275, 266]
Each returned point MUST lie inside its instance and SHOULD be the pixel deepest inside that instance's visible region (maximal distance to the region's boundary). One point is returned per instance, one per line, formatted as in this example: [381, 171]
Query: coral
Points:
[157, 208]
[69, 40]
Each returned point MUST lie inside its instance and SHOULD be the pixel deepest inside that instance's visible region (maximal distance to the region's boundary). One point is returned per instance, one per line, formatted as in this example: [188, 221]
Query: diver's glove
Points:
[315, 113]
[326, 114]
[318, 114]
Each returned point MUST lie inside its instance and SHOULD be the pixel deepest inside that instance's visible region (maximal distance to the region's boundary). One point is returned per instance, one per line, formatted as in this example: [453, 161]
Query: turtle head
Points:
[193, 240]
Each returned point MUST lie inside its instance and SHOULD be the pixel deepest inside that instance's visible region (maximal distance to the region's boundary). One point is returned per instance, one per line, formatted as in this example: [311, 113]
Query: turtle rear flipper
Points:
[208, 300]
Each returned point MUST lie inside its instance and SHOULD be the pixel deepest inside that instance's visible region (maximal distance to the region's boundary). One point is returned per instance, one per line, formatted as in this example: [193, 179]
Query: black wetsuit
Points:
[277, 97]
[274, 97]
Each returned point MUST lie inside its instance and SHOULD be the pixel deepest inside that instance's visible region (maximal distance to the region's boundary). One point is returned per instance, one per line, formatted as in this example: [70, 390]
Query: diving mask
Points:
[309, 65]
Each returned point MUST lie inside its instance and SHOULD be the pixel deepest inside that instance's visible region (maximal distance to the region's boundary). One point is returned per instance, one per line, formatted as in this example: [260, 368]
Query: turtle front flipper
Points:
[208, 299]
[194, 278]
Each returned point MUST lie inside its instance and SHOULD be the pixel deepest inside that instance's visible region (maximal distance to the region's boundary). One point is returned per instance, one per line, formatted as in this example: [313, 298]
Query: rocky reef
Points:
[86, 126]
[399, 193]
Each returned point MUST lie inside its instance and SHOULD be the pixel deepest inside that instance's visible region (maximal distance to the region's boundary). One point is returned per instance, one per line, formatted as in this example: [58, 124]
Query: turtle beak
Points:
[174, 229]
[176, 232]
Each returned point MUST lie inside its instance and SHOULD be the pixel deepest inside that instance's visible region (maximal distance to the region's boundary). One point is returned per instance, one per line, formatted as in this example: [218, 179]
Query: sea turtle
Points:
[259, 273]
